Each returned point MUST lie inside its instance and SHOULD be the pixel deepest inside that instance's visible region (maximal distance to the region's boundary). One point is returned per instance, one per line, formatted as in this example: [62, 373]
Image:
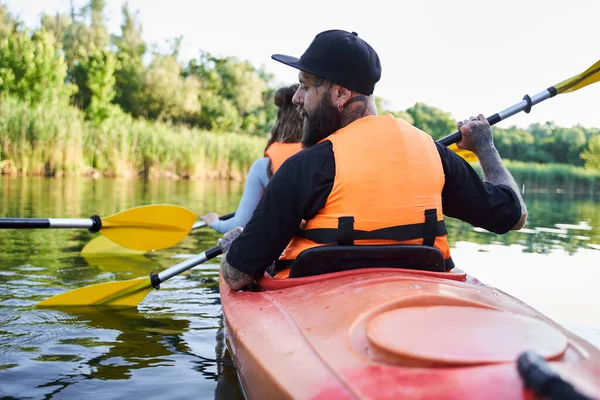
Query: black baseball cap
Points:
[340, 57]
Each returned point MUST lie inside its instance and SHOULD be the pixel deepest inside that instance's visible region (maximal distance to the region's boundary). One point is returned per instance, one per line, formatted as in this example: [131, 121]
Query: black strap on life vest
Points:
[345, 234]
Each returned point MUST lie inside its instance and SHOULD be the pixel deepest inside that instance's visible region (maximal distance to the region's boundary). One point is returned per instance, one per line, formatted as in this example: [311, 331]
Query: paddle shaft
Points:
[202, 224]
[183, 266]
[93, 224]
[523, 105]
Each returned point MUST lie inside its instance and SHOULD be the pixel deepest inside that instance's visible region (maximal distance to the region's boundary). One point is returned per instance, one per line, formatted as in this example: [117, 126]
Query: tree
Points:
[96, 80]
[591, 155]
[79, 39]
[130, 69]
[56, 25]
[432, 120]
[514, 143]
[32, 69]
[8, 24]
[166, 93]
[233, 94]
[383, 107]
[571, 142]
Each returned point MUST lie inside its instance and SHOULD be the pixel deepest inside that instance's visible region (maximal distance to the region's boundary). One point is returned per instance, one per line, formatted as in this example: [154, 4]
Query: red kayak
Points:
[389, 333]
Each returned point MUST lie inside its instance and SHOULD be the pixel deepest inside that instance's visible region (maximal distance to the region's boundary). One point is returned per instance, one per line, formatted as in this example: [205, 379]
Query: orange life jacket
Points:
[389, 179]
[279, 152]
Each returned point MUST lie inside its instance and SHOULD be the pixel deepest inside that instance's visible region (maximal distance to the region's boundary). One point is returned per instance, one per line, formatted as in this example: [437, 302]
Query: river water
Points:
[172, 345]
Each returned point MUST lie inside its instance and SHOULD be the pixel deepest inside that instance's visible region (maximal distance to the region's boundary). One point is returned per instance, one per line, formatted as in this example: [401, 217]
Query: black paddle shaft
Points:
[24, 223]
[93, 224]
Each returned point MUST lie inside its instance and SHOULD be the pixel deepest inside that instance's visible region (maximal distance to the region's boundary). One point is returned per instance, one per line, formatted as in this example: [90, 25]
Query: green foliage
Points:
[562, 176]
[31, 68]
[383, 107]
[8, 24]
[514, 143]
[166, 93]
[591, 155]
[233, 94]
[432, 120]
[41, 139]
[56, 25]
[56, 139]
[130, 69]
[96, 80]
[135, 112]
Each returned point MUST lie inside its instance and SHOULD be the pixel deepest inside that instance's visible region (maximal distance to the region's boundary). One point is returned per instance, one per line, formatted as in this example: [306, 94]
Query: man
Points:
[364, 178]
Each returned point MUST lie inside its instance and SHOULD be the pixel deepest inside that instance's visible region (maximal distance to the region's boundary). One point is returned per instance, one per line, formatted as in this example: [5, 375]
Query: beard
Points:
[320, 123]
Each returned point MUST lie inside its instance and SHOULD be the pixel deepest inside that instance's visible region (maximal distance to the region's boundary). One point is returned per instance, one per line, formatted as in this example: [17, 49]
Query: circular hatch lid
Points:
[455, 335]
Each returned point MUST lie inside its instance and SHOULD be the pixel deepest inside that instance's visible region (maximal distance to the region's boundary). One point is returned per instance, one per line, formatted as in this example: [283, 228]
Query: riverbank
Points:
[552, 178]
[56, 140]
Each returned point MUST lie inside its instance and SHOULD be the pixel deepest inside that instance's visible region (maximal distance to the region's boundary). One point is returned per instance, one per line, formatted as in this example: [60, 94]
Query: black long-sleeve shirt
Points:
[303, 183]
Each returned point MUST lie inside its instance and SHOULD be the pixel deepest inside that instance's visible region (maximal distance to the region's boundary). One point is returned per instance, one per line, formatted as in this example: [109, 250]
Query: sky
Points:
[462, 56]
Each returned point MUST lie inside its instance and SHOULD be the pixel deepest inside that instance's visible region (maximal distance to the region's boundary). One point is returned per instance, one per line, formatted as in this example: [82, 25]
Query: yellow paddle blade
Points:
[151, 227]
[589, 76]
[101, 245]
[466, 154]
[122, 293]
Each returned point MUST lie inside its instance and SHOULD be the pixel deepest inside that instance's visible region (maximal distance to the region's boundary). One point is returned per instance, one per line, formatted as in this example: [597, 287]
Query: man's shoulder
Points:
[311, 154]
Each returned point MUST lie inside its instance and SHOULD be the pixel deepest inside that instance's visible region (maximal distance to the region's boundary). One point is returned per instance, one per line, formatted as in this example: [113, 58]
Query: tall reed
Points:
[555, 176]
[55, 139]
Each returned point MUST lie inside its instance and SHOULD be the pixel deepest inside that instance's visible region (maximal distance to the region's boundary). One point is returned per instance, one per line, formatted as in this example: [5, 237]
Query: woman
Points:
[284, 143]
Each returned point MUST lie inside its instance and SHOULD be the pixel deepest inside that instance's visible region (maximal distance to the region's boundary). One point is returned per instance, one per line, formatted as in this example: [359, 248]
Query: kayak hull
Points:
[388, 334]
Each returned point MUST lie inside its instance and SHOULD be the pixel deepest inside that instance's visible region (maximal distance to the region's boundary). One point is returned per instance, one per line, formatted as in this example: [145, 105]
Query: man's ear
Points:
[341, 96]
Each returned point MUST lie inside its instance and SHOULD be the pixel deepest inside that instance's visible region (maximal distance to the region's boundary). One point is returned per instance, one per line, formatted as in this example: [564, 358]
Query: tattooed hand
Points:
[476, 134]
[228, 238]
[235, 278]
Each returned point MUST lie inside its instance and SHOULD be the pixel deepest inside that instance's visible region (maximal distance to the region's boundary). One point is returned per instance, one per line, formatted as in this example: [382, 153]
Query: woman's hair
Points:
[288, 127]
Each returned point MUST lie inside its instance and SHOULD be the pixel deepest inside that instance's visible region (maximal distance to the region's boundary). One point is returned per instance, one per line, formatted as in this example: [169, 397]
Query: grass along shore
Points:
[54, 140]
[552, 177]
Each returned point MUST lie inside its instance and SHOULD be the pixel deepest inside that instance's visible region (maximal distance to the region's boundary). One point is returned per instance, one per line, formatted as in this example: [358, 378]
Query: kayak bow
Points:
[386, 333]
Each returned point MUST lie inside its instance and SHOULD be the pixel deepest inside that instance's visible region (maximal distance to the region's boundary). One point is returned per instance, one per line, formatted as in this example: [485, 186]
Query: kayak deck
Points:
[388, 333]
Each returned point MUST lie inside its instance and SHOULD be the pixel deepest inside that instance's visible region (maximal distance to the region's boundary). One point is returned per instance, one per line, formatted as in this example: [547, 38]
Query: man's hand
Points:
[235, 278]
[210, 218]
[476, 135]
[228, 238]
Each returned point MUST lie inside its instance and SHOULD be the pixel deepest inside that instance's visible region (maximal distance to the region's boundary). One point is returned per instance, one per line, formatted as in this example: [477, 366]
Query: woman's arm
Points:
[255, 186]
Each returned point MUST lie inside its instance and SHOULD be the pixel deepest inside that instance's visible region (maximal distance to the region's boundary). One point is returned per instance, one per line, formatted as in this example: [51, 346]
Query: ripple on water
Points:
[30, 267]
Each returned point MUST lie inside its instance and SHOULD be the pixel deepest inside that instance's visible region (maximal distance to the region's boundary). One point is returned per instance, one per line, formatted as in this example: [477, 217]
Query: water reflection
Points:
[172, 346]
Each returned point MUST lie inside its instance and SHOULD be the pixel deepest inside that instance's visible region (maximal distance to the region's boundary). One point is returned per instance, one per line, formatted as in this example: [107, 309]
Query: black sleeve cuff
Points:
[512, 215]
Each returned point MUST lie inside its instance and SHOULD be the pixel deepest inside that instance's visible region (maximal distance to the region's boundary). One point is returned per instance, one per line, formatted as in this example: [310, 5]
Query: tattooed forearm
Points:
[477, 137]
[235, 278]
[495, 172]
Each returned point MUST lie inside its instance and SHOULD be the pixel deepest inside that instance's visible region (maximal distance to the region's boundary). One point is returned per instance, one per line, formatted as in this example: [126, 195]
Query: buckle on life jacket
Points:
[430, 227]
[345, 234]
[345, 231]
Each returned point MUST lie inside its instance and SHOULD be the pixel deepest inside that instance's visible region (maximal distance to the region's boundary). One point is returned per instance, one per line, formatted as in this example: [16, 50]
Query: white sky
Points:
[462, 56]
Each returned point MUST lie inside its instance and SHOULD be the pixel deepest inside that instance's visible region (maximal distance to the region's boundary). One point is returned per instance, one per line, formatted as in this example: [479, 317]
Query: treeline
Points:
[74, 98]
[540, 143]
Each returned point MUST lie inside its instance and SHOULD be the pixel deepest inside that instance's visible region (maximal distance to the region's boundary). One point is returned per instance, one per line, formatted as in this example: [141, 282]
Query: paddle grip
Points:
[24, 223]
[213, 252]
[225, 217]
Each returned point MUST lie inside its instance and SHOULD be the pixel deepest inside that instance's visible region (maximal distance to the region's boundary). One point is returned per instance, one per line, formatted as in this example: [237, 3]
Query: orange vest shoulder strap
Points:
[279, 152]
